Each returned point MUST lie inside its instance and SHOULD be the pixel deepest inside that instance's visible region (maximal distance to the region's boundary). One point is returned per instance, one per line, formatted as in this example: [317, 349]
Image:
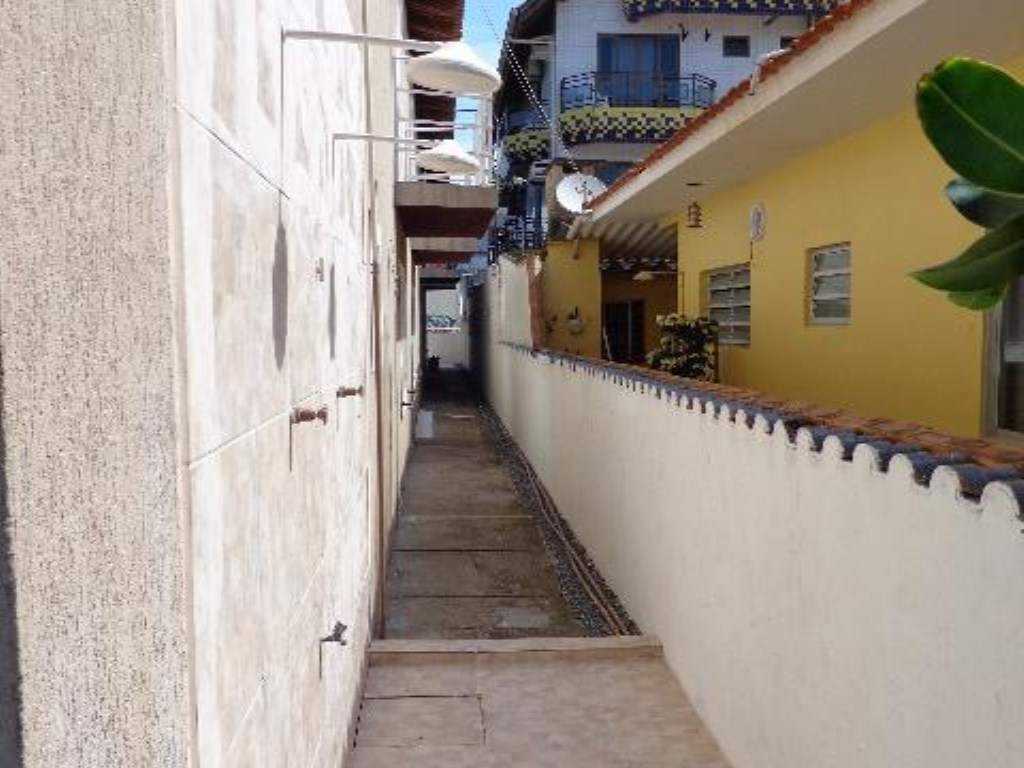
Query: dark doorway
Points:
[624, 331]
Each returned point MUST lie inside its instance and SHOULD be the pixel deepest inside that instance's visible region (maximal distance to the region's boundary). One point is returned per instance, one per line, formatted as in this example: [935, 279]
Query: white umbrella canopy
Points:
[454, 67]
[448, 157]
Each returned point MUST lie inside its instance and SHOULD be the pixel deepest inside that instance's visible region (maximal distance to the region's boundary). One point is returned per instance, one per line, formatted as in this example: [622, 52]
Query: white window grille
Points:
[728, 303]
[829, 288]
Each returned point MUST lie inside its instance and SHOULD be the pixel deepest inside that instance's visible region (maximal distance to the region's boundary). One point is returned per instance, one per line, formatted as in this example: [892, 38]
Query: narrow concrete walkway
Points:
[484, 665]
[584, 703]
[467, 560]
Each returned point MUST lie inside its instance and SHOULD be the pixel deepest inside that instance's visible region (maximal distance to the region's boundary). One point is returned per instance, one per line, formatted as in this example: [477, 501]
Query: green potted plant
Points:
[687, 346]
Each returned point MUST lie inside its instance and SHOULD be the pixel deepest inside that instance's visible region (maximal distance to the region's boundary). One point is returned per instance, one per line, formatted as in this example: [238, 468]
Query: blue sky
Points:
[478, 33]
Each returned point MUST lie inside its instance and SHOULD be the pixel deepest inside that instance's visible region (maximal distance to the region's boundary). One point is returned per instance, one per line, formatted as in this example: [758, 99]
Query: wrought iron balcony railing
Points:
[518, 233]
[636, 89]
[522, 120]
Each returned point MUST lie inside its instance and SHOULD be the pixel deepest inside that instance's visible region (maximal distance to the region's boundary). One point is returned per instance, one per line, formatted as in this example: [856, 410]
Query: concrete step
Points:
[595, 702]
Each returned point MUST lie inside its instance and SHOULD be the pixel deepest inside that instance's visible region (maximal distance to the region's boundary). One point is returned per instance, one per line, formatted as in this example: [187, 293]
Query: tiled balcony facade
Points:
[638, 9]
[630, 107]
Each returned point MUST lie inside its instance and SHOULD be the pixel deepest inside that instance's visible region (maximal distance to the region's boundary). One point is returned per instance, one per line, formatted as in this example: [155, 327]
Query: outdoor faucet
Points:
[301, 415]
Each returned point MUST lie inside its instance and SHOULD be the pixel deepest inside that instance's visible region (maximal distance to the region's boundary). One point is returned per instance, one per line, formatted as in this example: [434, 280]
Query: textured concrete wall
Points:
[92, 637]
[818, 611]
[185, 263]
[277, 230]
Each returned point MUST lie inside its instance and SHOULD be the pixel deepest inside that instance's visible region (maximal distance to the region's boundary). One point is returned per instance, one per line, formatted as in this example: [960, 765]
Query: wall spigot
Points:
[302, 415]
[337, 635]
[350, 391]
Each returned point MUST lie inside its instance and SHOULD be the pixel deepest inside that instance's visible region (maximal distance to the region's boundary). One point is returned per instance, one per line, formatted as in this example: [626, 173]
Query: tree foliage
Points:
[973, 113]
[686, 347]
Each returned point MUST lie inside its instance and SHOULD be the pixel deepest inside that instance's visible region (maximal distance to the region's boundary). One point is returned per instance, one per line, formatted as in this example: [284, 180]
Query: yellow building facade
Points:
[906, 352]
[574, 286]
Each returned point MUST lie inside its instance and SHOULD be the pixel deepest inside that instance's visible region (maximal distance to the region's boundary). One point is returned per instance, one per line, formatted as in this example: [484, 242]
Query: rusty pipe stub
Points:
[302, 415]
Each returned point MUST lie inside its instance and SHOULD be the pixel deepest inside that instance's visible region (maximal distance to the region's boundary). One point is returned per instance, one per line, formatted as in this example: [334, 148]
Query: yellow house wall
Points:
[571, 278]
[908, 353]
[658, 295]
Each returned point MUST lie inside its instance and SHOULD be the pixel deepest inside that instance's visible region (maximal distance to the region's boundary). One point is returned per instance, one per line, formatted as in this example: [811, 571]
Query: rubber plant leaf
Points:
[979, 300]
[982, 206]
[993, 261]
[974, 115]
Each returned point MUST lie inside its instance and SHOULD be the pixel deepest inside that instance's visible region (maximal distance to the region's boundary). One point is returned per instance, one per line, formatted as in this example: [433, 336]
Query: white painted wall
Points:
[579, 22]
[450, 345]
[284, 518]
[818, 612]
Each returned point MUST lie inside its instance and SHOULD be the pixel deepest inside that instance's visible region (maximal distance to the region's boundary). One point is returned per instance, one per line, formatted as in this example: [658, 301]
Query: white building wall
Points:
[579, 22]
[818, 612]
[450, 345]
[276, 238]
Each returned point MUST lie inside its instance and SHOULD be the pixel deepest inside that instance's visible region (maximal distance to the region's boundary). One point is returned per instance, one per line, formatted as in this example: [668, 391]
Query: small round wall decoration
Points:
[758, 222]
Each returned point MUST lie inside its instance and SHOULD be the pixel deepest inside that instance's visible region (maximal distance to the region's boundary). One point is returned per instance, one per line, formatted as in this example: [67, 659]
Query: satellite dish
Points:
[448, 157]
[576, 190]
[454, 67]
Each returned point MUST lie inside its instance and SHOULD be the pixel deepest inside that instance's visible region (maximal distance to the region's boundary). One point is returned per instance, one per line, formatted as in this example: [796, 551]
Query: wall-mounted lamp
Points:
[456, 68]
[448, 157]
[695, 216]
[452, 68]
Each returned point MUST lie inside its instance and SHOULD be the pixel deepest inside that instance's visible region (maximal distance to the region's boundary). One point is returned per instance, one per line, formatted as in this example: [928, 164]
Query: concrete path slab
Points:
[479, 617]
[419, 573]
[556, 706]
[501, 533]
[418, 721]
[467, 559]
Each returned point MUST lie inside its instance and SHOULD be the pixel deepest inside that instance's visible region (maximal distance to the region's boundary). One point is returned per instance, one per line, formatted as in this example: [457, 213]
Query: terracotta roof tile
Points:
[926, 447]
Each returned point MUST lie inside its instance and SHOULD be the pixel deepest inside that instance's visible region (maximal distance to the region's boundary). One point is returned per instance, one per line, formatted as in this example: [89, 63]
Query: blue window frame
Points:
[638, 70]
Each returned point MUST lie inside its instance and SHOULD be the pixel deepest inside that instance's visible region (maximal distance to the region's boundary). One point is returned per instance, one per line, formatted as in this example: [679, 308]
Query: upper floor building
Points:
[599, 83]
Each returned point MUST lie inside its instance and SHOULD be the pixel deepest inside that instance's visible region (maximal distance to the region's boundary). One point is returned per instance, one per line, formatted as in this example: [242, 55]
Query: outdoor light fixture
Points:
[695, 216]
[448, 157]
[452, 69]
[455, 68]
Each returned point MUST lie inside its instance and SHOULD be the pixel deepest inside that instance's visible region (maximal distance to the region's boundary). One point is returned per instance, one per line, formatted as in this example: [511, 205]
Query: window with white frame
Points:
[829, 285]
[728, 303]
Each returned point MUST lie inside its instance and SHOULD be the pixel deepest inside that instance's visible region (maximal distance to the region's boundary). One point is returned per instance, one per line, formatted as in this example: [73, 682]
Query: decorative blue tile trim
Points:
[638, 9]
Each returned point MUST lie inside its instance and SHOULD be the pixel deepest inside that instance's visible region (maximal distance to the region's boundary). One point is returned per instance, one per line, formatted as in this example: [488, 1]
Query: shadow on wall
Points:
[332, 314]
[10, 676]
[279, 300]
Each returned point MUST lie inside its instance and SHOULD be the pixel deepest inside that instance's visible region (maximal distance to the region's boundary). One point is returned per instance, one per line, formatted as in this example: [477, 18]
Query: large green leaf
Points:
[993, 261]
[983, 299]
[974, 115]
[983, 206]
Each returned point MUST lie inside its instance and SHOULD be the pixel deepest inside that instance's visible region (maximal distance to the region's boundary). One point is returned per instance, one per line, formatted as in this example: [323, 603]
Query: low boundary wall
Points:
[825, 601]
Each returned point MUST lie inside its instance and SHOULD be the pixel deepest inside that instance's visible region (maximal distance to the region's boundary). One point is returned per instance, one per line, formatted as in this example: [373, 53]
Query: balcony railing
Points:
[636, 89]
[518, 233]
[522, 120]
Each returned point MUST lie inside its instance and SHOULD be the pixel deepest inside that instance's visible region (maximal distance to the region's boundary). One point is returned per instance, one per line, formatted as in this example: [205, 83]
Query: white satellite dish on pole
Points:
[576, 190]
[448, 157]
